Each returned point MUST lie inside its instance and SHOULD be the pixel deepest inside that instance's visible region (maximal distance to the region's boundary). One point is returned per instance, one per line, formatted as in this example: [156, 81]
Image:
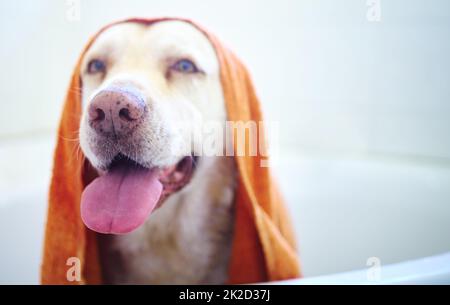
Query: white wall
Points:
[363, 108]
[339, 81]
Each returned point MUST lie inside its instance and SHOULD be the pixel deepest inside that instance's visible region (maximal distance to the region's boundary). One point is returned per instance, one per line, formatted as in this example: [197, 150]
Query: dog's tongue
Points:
[120, 201]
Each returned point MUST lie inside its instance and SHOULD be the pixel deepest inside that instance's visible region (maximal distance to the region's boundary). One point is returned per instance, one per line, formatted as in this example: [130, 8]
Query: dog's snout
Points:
[116, 111]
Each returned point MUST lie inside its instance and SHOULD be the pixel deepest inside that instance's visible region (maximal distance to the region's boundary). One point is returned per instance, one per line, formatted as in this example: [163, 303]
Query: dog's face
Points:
[170, 72]
[146, 91]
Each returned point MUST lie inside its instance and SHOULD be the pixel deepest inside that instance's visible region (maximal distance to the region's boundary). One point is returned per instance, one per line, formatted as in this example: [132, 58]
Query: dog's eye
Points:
[185, 66]
[96, 66]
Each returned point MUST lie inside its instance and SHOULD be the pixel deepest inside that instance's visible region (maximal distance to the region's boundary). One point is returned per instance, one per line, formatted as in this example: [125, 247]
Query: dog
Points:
[147, 89]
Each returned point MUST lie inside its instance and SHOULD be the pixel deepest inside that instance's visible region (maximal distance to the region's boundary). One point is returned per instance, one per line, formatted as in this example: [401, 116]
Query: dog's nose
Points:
[116, 111]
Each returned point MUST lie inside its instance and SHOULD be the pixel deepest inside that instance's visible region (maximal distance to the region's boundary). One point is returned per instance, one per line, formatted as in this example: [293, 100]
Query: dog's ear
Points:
[66, 237]
[264, 245]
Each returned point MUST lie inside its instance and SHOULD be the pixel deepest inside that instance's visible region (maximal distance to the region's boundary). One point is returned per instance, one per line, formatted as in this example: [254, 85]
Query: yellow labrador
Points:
[146, 91]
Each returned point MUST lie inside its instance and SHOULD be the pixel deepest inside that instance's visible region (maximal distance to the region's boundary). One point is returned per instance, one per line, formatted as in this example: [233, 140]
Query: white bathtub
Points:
[432, 270]
[347, 209]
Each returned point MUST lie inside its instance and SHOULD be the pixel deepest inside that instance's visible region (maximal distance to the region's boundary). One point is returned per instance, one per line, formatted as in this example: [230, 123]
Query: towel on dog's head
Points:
[263, 246]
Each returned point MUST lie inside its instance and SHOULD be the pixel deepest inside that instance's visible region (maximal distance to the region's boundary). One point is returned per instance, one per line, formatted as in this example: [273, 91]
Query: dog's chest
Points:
[186, 241]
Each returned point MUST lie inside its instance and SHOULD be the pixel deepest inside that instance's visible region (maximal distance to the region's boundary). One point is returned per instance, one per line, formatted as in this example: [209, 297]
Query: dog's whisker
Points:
[194, 161]
[75, 153]
[69, 139]
[78, 152]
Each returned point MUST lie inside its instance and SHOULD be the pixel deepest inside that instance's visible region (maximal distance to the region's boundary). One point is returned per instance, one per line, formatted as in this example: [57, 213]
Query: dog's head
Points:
[147, 90]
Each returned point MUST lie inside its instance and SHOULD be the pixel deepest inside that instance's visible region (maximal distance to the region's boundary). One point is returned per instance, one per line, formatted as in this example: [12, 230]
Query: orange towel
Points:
[263, 247]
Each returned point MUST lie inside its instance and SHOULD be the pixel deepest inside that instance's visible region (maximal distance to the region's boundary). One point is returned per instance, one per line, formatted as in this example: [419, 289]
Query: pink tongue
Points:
[120, 201]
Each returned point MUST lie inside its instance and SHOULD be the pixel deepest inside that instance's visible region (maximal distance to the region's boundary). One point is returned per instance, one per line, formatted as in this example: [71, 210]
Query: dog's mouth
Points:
[121, 198]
